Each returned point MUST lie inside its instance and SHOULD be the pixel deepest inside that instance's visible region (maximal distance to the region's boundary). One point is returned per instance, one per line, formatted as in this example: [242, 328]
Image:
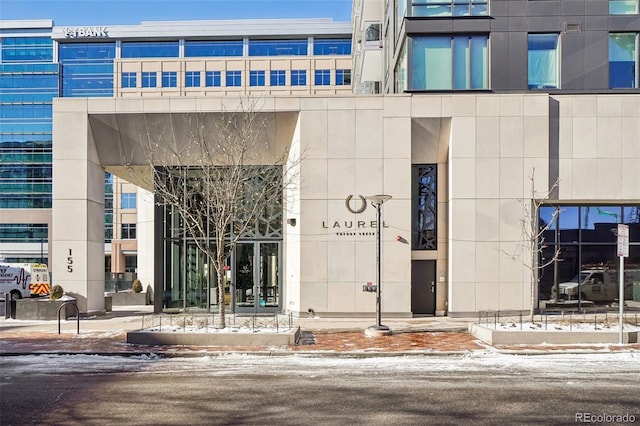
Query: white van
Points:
[599, 285]
[24, 280]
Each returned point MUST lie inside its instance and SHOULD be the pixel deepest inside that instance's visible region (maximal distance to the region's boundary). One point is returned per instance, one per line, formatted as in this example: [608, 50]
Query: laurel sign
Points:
[363, 204]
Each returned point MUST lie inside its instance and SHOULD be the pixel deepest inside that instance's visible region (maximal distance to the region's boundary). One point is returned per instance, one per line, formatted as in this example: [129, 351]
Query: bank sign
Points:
[86, 32]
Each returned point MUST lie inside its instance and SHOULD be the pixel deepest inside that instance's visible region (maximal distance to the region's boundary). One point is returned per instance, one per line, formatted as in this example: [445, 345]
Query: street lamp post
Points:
[377, 201]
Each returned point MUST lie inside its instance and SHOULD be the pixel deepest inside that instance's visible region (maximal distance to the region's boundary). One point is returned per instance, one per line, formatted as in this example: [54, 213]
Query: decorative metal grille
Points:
[425, 205]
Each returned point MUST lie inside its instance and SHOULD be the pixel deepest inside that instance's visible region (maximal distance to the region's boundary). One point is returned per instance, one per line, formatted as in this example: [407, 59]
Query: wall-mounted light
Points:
[292, 221]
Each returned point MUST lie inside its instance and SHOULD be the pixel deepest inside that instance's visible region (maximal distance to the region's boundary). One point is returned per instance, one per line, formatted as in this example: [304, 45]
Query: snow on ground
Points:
[210, 329]
[560, 326]
[557, 363]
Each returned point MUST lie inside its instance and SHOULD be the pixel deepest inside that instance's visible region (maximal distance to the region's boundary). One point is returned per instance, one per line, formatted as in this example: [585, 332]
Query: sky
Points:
[131, 12]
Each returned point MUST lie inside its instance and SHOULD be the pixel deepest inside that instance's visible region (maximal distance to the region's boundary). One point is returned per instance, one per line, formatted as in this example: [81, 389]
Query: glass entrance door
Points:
[257, 277]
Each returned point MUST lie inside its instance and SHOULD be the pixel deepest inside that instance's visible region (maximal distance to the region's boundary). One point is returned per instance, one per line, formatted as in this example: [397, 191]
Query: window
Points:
[278, 78]
[298, 77]
[449, 63]
[212, 48]
[622, 61]
[24, 232]
[87, 69]
[192, 79]
[278, 47]
[108, 207]
[128, 231]
[584, 239]
[256, 78]
[128, 200]
[332, 47]
[343, 77]
[449, 7]
[234, 78]
[212, 79]
[26, 49]
[623, 7]
[149, 79]
[169, 79]
[323, 78]
[543, 61]
[137, 49]
[128, 80]
[424, 207]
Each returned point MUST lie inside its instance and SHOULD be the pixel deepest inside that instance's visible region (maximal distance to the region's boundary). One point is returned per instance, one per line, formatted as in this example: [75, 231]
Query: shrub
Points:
[136, 286]
[56, 292]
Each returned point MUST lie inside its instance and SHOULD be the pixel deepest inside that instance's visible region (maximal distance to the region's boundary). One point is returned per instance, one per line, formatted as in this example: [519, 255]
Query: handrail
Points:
[77, 314]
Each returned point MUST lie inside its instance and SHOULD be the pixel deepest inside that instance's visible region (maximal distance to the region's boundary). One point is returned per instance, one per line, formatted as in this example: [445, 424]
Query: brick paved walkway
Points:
[316, 342]
[94, 342]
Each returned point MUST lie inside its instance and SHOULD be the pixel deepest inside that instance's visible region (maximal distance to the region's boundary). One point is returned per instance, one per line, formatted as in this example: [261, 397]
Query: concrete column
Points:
[77, 249]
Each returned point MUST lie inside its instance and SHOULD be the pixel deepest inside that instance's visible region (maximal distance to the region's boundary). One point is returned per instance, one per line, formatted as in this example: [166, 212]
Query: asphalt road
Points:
[294, 390]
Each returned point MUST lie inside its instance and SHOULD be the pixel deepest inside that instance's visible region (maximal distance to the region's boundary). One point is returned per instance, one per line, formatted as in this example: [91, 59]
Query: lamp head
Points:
[378, 199]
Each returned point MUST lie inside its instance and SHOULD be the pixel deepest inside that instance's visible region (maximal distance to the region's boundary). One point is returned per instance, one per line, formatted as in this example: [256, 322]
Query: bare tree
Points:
[221, 174]
[532, 243]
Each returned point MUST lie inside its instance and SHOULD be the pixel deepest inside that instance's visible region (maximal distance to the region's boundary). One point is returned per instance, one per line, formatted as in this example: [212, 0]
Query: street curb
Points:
[325, 354]
[184, 354]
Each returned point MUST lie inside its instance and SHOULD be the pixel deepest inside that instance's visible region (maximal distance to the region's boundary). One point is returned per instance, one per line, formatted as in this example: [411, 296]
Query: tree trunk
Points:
[221, 303]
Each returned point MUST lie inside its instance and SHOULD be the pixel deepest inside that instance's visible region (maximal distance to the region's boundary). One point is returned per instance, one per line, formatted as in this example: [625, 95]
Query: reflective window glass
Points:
[128, 231]
[278, 78]
[587, 244]
[424, 203]
[24, 232]
[192, 79]
[343, 77]
[322, 77]
[87, 69]
[257, 78]
[622, 60]
[128, 200]
[149, 79]
[169, 79]
[234, 78]
[332, 46]
[213, 79]
[599, 223]
[450, 63]
[213, 48]
[277, 47]
[631, 217]
[623, 7]
[157, 49]
[543, 61]
[26, 49]
[298, 77]
[449, 7]
[128, 80]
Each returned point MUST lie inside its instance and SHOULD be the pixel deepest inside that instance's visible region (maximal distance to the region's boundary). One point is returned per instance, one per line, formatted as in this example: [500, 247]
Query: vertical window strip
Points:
[623, 60]
[543, 61]
[425, 205]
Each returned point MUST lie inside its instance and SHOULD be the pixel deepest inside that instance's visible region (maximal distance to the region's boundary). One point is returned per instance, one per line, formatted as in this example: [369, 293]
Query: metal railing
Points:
[550, 319]
[210, 322]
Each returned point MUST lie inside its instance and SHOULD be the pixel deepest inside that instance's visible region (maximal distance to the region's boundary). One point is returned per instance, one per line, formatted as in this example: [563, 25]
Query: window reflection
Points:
[586, 239]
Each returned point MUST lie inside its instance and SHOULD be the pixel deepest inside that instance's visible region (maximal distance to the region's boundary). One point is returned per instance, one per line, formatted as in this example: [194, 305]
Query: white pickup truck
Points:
[598, 285]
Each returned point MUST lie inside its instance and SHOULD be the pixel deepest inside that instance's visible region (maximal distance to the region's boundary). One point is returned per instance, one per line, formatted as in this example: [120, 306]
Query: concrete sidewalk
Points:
[107, 335]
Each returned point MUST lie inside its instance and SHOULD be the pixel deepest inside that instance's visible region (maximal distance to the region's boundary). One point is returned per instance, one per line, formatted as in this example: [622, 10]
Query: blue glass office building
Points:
[29, 80]
[39, 61]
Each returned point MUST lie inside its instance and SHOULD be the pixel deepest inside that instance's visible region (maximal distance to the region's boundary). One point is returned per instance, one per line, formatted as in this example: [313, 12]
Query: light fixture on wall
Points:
[291, 221]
